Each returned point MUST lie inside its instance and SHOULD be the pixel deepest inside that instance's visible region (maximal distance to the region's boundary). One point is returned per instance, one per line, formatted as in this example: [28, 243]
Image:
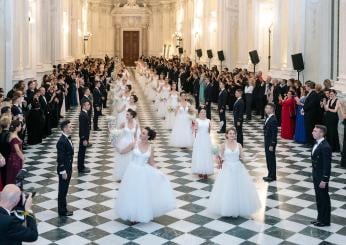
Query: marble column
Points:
[2, 45]
[342, 43]
[93, 19]
[244, 23]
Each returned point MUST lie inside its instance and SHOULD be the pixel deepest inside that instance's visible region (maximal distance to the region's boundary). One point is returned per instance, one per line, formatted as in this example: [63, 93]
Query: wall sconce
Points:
[86, 37]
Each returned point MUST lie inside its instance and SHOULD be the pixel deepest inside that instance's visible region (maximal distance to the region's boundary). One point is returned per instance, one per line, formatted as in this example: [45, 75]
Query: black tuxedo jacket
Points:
[270, 131]
[196, 86]
[84, 126]
[97, 98]
[16, 110]
[321, 162]
[12, 230]
[208, 93]
[312, 105]
[238, 111]
[65, 153]
[221, 102]
[43, 104]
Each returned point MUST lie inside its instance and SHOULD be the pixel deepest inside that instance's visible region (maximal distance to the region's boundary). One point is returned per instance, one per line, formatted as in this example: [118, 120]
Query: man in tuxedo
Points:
[12, 230]
[84, 133]
[321, 157]
[311, 109]
[221, 107]
[208, 96]
[238, 115]
[196, 89]
[97, 105]
[65, 151]
[270, 141]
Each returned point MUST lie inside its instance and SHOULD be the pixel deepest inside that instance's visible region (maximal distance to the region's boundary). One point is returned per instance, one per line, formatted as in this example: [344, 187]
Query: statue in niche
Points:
[131, 3]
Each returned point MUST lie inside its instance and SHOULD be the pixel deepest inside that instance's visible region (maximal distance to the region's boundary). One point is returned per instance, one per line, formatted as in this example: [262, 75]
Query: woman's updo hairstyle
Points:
[135, 98]
[151, 133]
[14, 124]
[132, 112]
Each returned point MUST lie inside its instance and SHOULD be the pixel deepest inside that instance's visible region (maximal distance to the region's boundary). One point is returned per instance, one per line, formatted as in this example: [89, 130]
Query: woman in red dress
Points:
[16, 158]
[288, 116]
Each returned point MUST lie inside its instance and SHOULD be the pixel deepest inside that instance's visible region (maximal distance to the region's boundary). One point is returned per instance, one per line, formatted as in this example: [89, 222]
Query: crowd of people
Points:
[298, 107]
[182, 95]
[30, 111]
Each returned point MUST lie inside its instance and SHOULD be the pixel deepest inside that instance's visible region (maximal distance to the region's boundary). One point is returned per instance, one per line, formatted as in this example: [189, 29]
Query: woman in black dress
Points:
[35, 122]
[332, 119]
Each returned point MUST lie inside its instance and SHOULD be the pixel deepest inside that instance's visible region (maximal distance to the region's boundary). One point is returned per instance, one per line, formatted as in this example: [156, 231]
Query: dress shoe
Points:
[319, 224]
[67, 213]
[97, 129]
[314, 222]
[84, 171]
[269, 179]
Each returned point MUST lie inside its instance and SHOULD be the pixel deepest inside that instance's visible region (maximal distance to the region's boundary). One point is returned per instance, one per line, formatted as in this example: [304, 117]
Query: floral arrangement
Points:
[111, 121]
[114, 134]
[170, 109]
[162, 99]
[215, 150]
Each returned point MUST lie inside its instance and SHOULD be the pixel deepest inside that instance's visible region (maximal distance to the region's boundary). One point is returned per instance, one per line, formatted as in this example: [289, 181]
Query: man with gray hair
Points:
[12, 230]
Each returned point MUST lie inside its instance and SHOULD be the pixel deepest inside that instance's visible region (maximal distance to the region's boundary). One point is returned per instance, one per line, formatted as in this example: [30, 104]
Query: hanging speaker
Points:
[254, 57]
[297, 61]
[220, 55]
[181, 50]
[210, 53]
[199, 53]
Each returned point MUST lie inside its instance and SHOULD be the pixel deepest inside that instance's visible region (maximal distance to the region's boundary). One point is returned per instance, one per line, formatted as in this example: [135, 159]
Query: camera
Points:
[20, 183]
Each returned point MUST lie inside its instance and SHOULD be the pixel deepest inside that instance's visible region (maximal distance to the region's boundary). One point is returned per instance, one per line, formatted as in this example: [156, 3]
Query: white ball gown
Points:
[181, 135]
[163, 97]
[121, 118]
[202, 158]
[121, 161]
[172, 103]
[234, 194]
[145, 192]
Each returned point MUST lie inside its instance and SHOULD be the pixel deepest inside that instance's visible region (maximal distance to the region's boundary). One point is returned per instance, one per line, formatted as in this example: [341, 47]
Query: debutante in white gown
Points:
[181, 135]
[234, 194]
[202, 158]
[164, 95]
[170, 115]
[121, 118]
[145, 192]
[121, 162]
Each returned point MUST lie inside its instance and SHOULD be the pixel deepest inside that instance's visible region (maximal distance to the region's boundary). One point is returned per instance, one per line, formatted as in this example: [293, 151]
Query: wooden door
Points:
[130, 47]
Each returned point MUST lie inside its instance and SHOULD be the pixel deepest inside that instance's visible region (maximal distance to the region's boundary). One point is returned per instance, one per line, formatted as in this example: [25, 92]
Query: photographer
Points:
[12, 230]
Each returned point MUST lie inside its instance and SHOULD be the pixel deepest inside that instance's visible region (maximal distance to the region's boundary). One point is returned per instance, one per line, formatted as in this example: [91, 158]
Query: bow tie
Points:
[69, 137]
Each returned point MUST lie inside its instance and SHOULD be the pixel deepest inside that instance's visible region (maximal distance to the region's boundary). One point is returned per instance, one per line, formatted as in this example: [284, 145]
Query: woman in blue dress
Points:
[300, 133]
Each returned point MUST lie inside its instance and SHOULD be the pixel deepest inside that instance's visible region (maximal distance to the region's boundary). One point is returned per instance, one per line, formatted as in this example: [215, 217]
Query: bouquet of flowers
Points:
[114, 135]
[215, 150]
[111, 121]
[170, 109]
[162, 99]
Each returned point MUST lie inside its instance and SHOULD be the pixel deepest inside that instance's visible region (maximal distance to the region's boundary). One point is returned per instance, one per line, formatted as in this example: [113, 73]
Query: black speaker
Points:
[199, 53]
[220, 55]
[181, 50]
[254, 57]
[210, 53]
[297, 61]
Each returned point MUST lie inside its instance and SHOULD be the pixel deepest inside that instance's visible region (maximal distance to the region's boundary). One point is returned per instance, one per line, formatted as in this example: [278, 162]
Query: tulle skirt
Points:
[121, 161]
[169, 120]
[162, 108]
[144, 193]
[234, 194]
[202, 158]
[181, 135]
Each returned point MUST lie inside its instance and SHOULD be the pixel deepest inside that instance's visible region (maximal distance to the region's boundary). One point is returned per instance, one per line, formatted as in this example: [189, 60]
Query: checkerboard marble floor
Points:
[288, 203]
